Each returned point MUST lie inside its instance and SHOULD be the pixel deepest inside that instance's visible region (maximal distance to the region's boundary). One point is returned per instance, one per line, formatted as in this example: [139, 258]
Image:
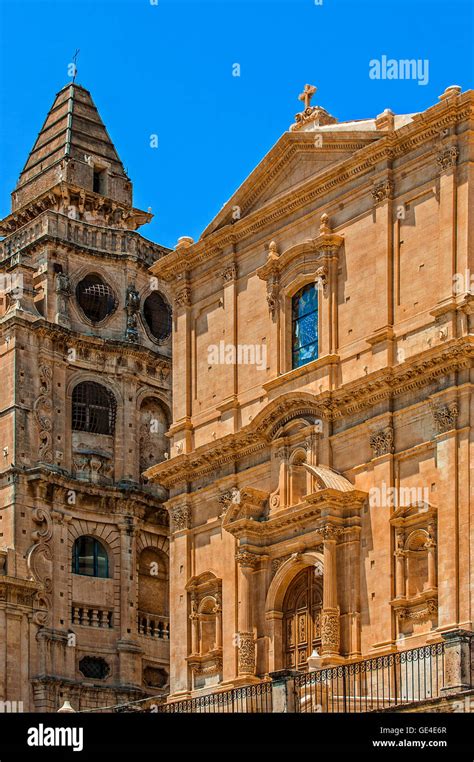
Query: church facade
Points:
[85, 363]
[319, 479]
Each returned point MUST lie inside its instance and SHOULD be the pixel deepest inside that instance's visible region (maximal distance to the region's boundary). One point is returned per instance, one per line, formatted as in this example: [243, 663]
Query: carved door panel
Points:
[301, 619]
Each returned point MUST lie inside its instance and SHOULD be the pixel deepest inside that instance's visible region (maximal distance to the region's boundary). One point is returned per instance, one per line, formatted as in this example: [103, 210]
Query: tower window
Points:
[95, 297]
[98, 183]
[93, 408]
[89, 558]
[304, 307]
[157, 314]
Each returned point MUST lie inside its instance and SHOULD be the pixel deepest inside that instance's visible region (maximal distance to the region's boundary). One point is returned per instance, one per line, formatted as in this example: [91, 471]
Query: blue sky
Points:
[166, 69]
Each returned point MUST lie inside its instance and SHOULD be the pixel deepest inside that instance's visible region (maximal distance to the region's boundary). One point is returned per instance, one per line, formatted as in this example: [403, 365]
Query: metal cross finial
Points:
[306, 95]
[74, 58]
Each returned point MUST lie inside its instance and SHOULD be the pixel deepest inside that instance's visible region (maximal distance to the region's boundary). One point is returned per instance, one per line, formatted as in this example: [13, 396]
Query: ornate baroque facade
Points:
[320, 498]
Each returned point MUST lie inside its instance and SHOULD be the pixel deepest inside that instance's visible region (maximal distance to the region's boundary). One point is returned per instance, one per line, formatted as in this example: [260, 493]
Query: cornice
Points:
[112, 499]
[357, 396]
[67, 338]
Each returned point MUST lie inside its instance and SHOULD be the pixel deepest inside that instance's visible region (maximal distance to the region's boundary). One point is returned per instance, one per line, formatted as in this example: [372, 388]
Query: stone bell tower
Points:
[85, 359]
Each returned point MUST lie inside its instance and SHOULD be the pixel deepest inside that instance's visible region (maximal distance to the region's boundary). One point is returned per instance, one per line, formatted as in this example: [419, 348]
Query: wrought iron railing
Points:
[250, 698]
[384, 682]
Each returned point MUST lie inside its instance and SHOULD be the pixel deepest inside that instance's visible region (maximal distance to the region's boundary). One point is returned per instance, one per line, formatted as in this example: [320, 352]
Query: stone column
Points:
[229, 277]
[180, 572]
[128, 648]
[218, 613]
[330, 628]
[446, 161]
[430, 545]
[399, 554]
[246, 644]
[182, 368]
[194, 617]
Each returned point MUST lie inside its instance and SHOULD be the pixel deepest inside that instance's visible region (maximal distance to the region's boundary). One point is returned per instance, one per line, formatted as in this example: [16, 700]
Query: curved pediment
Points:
[326, 478]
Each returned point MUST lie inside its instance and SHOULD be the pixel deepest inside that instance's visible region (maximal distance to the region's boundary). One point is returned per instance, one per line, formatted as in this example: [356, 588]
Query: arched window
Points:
[157, 314]
[304, 309]
[89, 557]
[93, 408]
[95, 297]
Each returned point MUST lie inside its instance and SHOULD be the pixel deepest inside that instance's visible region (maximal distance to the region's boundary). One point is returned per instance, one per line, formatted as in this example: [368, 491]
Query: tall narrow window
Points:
[304, 325]
[98, 183]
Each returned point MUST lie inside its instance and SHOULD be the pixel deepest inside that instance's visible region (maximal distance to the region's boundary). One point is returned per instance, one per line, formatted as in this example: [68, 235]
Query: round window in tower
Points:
[157, 314]
[95, 298]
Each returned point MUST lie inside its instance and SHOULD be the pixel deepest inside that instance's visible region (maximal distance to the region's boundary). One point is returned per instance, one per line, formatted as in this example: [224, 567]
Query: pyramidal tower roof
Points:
[72, 128]
[73, 148]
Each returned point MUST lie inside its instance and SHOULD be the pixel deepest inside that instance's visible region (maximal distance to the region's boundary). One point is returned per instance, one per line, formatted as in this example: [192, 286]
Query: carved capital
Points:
[180, 518]
[447, 158]
[445, 417]
[183, 297]
[229, 273]
[330, 532]
[382, 191]
[246, 559]
[381, 442]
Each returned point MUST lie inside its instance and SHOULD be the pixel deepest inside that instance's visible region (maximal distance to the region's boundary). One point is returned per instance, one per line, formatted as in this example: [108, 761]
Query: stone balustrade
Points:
[91, 617]
[153, 626]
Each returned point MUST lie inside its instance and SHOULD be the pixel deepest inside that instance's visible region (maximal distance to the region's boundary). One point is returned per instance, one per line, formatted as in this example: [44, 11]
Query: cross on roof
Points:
[74, 58]
[306, 95]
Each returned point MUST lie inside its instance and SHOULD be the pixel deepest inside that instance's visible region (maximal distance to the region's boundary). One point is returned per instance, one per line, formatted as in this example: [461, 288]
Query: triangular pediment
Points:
[293, 161]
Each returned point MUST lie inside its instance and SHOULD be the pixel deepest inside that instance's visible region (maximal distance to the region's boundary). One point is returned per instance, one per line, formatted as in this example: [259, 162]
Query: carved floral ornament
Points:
[447, 158]
[180, 517]
[445, 416]
[382, 190]
[382, 442]
[330, 532]
[419, 613]
[183, 297]
[246, 559]
[229, 273]
[246, 647]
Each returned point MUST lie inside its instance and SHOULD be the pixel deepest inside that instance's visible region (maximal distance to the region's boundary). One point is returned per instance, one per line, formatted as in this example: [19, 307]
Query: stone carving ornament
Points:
[330, 637]
[180, 518]
[246, 653]
[445, 417]
[381, 442]
[42, 410]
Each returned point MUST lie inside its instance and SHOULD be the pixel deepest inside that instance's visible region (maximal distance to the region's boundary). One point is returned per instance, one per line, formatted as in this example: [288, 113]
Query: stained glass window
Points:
[305, 325]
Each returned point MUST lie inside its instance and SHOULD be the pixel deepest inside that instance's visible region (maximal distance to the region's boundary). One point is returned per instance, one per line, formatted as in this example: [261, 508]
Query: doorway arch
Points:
[279, 597]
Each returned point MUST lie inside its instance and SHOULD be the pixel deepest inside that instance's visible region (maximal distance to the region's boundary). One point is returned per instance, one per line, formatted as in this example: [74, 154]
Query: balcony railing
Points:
[385, 682]
[87, 616]
[250, 699]
[84, 234]
[153, 626]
